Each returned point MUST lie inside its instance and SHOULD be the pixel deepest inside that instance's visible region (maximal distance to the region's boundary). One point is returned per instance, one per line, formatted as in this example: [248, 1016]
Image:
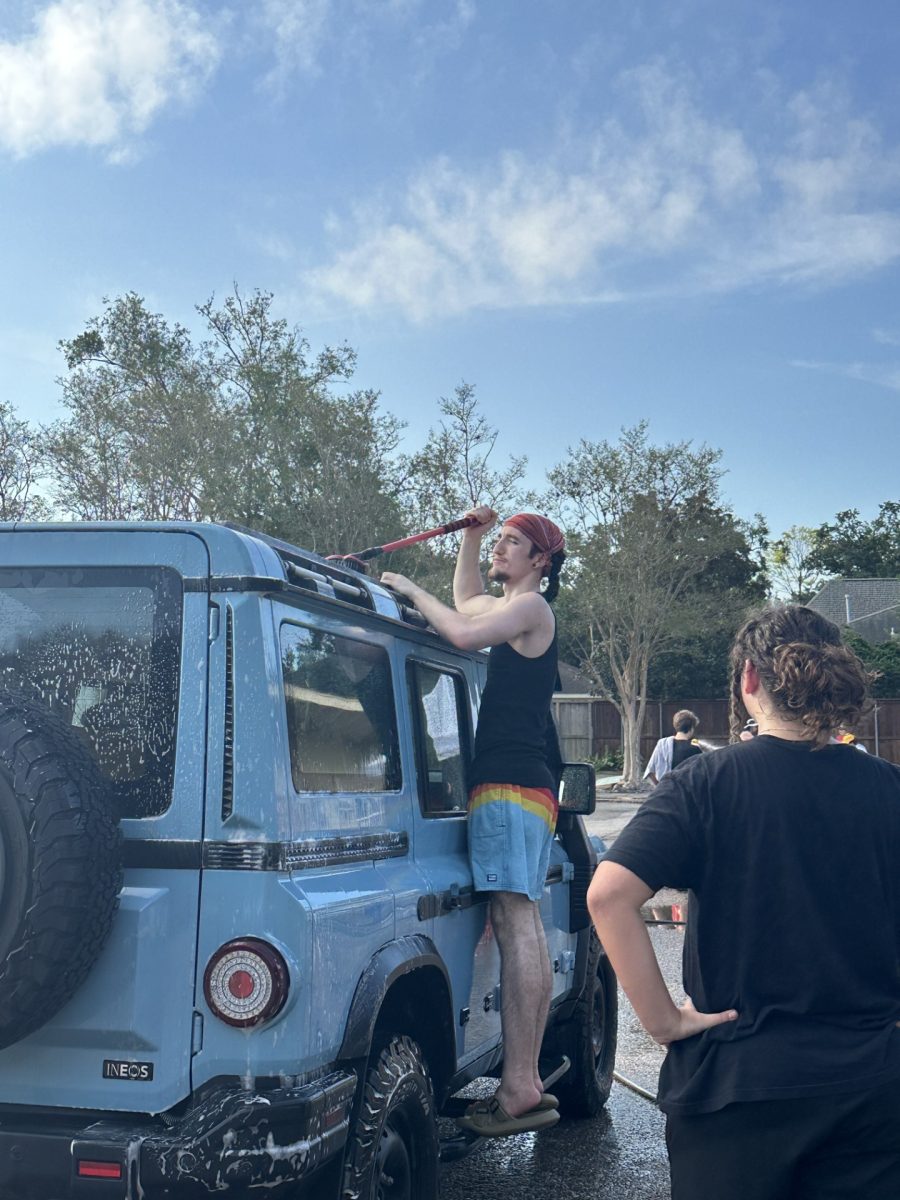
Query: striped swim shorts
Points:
[510, 833]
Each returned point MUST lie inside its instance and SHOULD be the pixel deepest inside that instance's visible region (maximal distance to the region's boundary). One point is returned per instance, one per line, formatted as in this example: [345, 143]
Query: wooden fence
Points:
[589, 726]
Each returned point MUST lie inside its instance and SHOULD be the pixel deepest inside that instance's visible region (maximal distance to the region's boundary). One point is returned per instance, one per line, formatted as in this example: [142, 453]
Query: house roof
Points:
[573, 682]
[870, 607]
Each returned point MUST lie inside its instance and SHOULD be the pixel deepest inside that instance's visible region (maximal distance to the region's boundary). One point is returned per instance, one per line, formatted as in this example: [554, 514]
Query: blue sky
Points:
[595, 211]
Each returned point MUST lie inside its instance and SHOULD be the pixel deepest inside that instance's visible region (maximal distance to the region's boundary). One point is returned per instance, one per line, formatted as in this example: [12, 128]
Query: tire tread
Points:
[75, 872]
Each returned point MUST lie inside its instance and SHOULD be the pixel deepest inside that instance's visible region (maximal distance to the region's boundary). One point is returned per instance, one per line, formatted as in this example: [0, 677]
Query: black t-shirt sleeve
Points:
[663, 844]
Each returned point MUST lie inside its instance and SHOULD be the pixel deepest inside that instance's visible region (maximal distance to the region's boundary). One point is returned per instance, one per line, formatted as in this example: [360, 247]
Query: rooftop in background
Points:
[573, 682]
[869, 607]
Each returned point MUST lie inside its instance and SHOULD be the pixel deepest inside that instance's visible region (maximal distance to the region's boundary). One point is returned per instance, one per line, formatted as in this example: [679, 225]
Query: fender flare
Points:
[385, 968]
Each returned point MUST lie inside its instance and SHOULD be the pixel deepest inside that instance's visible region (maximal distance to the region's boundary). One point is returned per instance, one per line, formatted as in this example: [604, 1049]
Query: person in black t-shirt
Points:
[670, 752]
[783, 1064]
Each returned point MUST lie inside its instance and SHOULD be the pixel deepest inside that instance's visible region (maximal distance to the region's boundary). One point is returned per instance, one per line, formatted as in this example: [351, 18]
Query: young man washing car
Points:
[513, 782]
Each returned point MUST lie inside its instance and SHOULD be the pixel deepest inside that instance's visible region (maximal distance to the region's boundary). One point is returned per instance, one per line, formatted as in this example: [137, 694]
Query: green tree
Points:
[245, 426]
[454, 470]
[792, 568]
[295, 458]
[647, 524]
[143, 420]
[692, 668]
[694, 663]
[22, 461]
[851, 548]
[883, 659]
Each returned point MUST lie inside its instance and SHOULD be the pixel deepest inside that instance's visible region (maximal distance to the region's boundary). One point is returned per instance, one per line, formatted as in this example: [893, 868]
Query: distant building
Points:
[573, 682]
[869, 607]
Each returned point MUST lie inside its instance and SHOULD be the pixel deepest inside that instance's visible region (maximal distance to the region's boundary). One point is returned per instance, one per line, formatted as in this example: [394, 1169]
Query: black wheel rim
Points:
[393, 1166]
[598, 1024]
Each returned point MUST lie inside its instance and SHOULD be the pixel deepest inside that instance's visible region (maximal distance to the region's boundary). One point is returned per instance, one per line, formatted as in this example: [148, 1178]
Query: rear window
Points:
[100, 649]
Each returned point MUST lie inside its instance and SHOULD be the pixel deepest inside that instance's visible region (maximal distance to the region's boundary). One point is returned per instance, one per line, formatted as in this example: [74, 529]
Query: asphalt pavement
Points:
[612, 815]
[621, 1154]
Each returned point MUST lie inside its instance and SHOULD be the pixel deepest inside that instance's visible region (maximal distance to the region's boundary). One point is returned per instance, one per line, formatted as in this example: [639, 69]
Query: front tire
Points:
[589, 1038]
[393, 1151]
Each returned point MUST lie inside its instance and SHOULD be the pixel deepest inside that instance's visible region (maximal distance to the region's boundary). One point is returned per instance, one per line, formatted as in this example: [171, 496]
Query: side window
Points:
[341, 718]
[439, 703]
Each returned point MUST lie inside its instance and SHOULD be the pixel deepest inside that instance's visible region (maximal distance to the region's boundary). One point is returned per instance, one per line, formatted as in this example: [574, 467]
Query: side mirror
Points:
[578, 789]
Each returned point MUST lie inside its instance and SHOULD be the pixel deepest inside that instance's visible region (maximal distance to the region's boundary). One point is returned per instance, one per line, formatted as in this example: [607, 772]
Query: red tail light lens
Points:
[88, 1169]
[246, 982]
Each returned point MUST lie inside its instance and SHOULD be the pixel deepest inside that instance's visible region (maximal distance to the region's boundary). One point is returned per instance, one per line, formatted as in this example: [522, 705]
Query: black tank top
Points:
[515, 741]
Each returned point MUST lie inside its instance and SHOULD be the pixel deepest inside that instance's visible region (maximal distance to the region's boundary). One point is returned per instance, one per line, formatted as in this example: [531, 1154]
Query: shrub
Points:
[609, 760]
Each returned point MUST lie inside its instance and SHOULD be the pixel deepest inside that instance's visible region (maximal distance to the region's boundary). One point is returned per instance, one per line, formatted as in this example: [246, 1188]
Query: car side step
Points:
[556, 1072]
[459, 1144]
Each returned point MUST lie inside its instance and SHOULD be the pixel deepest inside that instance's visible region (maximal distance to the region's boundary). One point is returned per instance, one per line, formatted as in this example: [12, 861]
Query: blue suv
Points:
[240, 949]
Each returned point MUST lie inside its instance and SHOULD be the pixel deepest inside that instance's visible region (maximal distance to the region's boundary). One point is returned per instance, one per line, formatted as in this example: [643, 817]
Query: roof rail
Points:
[329, 578]
[312, 572]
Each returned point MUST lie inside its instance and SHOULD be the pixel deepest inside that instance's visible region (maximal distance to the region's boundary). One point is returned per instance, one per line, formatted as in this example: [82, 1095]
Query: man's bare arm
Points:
[504, 622]
[469, 595]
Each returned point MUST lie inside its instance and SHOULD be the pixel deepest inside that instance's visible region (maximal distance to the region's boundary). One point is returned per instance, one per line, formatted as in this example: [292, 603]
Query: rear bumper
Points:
[232, 1139]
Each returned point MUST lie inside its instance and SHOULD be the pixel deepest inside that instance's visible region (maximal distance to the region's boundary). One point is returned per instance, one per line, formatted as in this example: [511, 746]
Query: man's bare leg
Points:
[524, 980]
[547, 984]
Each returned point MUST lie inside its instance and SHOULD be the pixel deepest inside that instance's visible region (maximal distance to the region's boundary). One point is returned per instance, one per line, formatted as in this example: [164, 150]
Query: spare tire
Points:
[60, 865]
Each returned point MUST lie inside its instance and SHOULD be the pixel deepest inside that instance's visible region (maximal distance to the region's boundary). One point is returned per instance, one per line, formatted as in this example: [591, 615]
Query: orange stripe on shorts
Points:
[540, 802]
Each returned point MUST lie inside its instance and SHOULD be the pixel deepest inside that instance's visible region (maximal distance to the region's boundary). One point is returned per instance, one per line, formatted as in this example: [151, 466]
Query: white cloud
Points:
[301, 32]
[271, 245]
[298, 29]
[96, 72]
[882, 375]
[669, 202]
[442, 35]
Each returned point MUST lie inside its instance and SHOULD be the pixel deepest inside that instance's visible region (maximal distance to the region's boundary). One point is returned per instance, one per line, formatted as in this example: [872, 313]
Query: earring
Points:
[545, 583]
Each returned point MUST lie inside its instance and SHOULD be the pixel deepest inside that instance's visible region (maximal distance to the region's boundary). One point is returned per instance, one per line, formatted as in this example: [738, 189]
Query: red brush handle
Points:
[450, 527]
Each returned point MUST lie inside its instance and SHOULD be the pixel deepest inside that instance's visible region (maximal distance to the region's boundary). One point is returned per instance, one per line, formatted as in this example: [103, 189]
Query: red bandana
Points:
[540, 530]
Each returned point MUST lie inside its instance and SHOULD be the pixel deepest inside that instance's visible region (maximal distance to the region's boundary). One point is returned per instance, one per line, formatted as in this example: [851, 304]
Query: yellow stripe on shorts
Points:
[538, 802]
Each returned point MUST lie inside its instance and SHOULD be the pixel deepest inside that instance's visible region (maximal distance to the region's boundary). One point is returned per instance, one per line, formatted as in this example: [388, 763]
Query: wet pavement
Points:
[621, 1154]
[610, 817]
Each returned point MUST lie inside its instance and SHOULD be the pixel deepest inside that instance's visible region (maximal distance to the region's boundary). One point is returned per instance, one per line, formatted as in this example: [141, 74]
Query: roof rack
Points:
[328, 578]
[314, 573]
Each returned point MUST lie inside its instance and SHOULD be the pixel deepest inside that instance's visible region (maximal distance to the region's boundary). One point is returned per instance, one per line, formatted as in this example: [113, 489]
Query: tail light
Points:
[92, 1169]
[246, 982]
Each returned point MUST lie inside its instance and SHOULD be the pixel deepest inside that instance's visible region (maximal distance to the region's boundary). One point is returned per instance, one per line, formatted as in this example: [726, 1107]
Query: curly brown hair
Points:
[805, 668]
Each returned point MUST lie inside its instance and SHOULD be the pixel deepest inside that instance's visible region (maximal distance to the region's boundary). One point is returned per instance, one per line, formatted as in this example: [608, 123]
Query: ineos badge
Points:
[137, 1072]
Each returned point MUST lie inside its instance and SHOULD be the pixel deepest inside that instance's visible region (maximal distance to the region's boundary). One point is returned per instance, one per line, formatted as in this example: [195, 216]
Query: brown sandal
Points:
[488, 1118]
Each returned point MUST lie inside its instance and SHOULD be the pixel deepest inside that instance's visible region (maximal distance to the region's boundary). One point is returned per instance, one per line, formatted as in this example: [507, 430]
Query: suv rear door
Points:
[108, 628]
